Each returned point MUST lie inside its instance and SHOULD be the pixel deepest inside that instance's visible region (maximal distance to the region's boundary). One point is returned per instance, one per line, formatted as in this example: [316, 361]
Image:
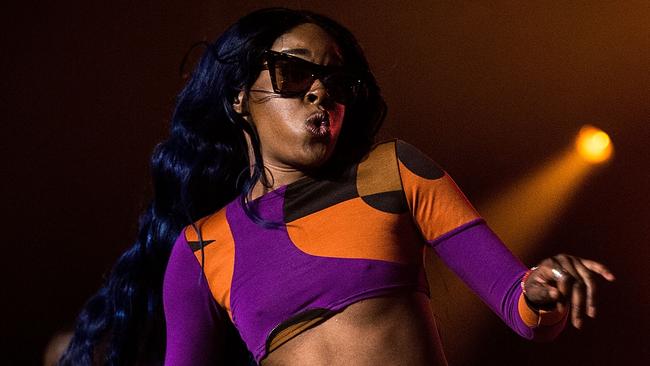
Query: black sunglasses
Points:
[293, 76]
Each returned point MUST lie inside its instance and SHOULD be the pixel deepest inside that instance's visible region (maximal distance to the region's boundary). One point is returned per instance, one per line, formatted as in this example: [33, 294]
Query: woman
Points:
[276, 222]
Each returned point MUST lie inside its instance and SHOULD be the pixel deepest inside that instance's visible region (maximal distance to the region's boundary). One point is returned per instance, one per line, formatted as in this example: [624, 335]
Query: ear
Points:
[238, 103]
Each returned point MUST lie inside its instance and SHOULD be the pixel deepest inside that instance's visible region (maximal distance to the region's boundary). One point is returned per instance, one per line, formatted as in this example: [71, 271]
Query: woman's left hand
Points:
[564, 279]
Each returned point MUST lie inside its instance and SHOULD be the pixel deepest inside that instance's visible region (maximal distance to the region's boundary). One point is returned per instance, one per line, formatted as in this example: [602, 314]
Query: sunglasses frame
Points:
[316, 71]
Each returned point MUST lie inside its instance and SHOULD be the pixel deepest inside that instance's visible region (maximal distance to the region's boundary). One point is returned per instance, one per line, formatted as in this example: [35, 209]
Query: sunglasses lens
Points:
[342, 87]
[292, 78]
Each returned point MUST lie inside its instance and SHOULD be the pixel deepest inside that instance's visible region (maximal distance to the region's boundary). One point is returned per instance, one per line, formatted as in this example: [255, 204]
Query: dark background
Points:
[491, 90]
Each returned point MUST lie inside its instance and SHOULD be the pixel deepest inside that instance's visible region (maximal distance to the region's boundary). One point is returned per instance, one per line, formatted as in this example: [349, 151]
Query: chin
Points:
[317, 156]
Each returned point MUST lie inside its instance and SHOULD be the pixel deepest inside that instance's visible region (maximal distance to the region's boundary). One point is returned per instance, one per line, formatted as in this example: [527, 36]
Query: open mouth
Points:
[318, 124]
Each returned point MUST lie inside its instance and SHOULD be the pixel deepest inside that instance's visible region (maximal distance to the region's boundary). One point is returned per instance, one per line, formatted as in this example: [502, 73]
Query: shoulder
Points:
[416, 161]
[404, 156]
[378, 171]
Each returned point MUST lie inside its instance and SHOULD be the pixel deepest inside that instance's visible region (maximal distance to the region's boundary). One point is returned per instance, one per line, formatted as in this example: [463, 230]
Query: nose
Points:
[317, 94]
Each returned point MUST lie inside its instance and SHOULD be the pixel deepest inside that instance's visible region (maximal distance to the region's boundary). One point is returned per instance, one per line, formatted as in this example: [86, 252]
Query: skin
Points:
[56, 347]
[566, 280]
[398, 329]
[288, 149]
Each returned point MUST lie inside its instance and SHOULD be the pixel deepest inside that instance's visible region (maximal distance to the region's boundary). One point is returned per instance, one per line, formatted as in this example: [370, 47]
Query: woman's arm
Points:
[466, 244]
[484, 263]
[194, 325]
[450, 224]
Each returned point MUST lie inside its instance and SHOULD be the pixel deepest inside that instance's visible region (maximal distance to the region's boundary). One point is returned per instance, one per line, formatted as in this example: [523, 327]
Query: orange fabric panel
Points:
[219, 256]
[292, 331]
[379, 171]
[437, 205]
[533, 319]
[352, 229]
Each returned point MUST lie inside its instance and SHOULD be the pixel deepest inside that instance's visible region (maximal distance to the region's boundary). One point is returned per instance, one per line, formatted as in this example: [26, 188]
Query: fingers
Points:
[598, 268]
[571, 286]
[564, 278]
[590, 286]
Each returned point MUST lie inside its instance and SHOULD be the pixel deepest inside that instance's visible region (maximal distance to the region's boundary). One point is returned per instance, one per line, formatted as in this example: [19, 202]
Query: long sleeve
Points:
[484, 263]
[191, 314]
[464, 242]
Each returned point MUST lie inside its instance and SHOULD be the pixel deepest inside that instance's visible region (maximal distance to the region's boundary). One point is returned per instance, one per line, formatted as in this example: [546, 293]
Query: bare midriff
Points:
[390, 330]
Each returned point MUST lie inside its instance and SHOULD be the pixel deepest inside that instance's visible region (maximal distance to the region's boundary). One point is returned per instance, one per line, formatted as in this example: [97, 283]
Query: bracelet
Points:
[523, 279]
[535, 307]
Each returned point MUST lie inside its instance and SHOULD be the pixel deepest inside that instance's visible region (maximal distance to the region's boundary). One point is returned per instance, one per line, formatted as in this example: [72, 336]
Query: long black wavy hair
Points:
[203, 165]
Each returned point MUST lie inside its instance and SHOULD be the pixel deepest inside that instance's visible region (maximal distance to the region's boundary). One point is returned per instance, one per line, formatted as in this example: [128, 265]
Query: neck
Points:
[273, 176]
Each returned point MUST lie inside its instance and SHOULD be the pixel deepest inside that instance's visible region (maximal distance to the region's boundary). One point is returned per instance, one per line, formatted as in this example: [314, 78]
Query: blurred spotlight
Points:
[593, 144]
[527, 210]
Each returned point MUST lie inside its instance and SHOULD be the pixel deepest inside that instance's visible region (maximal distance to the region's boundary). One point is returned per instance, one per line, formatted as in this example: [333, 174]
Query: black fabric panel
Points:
[307, 196]
[417, 162]
[391, 202]
[196, 245]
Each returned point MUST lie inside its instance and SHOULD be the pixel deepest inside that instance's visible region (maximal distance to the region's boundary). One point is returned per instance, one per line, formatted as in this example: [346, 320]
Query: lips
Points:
[318, 124]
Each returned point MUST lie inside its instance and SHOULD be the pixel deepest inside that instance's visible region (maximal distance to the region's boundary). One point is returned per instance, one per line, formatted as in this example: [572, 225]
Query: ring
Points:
[558, 273]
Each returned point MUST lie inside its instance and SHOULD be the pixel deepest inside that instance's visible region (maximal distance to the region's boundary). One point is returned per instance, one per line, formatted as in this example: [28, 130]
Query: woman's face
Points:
[298, 133]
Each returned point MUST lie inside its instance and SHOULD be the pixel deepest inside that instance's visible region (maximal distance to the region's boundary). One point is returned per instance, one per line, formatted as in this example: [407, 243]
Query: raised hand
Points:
[565, 279]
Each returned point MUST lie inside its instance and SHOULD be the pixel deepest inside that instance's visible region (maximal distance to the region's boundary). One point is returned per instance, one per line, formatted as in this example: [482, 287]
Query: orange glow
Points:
[593, 144]
[524, 212]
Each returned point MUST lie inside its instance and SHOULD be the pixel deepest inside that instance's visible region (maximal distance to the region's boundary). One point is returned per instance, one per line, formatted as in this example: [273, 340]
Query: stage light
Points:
[593, 144]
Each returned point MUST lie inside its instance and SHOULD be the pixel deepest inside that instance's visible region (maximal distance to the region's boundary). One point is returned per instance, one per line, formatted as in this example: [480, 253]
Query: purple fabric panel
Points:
[190, 311]
[285, 281]
[475, 253]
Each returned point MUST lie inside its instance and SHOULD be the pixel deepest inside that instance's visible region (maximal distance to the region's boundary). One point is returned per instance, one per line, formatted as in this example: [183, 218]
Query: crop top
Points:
[333, 243]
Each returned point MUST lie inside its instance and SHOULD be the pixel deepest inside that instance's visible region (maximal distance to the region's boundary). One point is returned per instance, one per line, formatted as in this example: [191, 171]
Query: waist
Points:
[398, 328]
